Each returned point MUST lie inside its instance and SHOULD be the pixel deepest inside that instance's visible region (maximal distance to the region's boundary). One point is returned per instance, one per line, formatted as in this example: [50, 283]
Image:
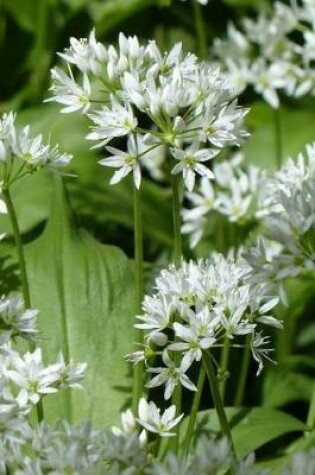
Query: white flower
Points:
[115, 121]
[30, 374]
[86, 54]
[152, 420]
[259, 351]
[190, 162]
[125, 161]
[128, 426]
[34, 153]
[69, 375]
[16, 318]
[67, 92]
[223, 128]
[169, 375]
[192, 345]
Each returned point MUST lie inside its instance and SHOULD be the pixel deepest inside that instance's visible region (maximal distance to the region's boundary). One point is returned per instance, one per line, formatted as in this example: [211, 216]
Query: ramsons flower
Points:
[151, 419]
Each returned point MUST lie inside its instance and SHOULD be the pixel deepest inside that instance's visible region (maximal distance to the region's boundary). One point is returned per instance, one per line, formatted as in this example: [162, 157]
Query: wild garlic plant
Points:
[167, 114]
[151, 99]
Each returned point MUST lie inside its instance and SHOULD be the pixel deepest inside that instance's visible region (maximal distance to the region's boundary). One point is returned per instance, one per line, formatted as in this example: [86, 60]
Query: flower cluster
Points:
[273, 53]
[15, 320]
[236, 193]
[196, 308]
[21, 153]
[288, 213]
[152, 100]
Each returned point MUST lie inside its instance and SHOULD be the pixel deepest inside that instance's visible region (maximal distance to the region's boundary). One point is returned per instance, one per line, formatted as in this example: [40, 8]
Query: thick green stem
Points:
[194, 410]
[200, 30]
[244, 373]
[138, 334]
[176, 221]
[22, 265]
[224, 363]
[214, 387]
[278, 137]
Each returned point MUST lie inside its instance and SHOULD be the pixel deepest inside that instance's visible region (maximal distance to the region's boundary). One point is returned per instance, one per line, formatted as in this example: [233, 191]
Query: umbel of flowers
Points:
[201, 304]
[152, 99]
[273, 53]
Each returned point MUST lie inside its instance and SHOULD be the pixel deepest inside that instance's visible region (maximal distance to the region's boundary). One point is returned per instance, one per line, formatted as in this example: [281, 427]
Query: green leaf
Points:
[23, 12]
[32, 198]
[260, 148]
[85, 293]
[251, 428]
[282, 387]
[107, 15]
[258, 4]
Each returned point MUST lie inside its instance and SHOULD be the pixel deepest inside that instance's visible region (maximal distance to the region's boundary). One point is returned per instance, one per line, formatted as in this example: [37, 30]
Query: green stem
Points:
[244, 373]
[138, 334]
[224, 363]
[194, 410]
[176, 208]
[200, 30]
[311, 413]
[278, 137]
[218, 404]
[177, 220]
[19, 246]
[22, 264]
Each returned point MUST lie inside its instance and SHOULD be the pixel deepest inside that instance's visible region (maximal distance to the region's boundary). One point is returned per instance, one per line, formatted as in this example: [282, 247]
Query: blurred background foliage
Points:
[31, 32]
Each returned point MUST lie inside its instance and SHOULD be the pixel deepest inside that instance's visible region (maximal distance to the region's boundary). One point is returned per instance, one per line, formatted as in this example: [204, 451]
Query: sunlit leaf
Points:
[84, 291]
[251, 428]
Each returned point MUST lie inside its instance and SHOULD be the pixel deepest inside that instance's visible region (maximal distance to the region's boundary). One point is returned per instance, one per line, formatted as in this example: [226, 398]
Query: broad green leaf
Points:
[297, 130]
[85, 293]
[107, 203]
[276, 466]
[251, 428]
[31, 197]
[282, 387]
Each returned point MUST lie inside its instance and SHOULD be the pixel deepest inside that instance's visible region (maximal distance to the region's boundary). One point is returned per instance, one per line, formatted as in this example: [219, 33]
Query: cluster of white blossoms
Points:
[196, 308]
[24, 378]
[152, 100]
[236, 193]
[29, 380]
[289, 218]
[21, 153]
[273, 53]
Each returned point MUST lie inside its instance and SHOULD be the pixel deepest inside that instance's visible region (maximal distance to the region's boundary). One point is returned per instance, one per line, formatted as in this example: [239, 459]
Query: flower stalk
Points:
[244, 373]
[200, 29]
[138, 337]
[218, 404]
[224, 363]
[194, 410]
